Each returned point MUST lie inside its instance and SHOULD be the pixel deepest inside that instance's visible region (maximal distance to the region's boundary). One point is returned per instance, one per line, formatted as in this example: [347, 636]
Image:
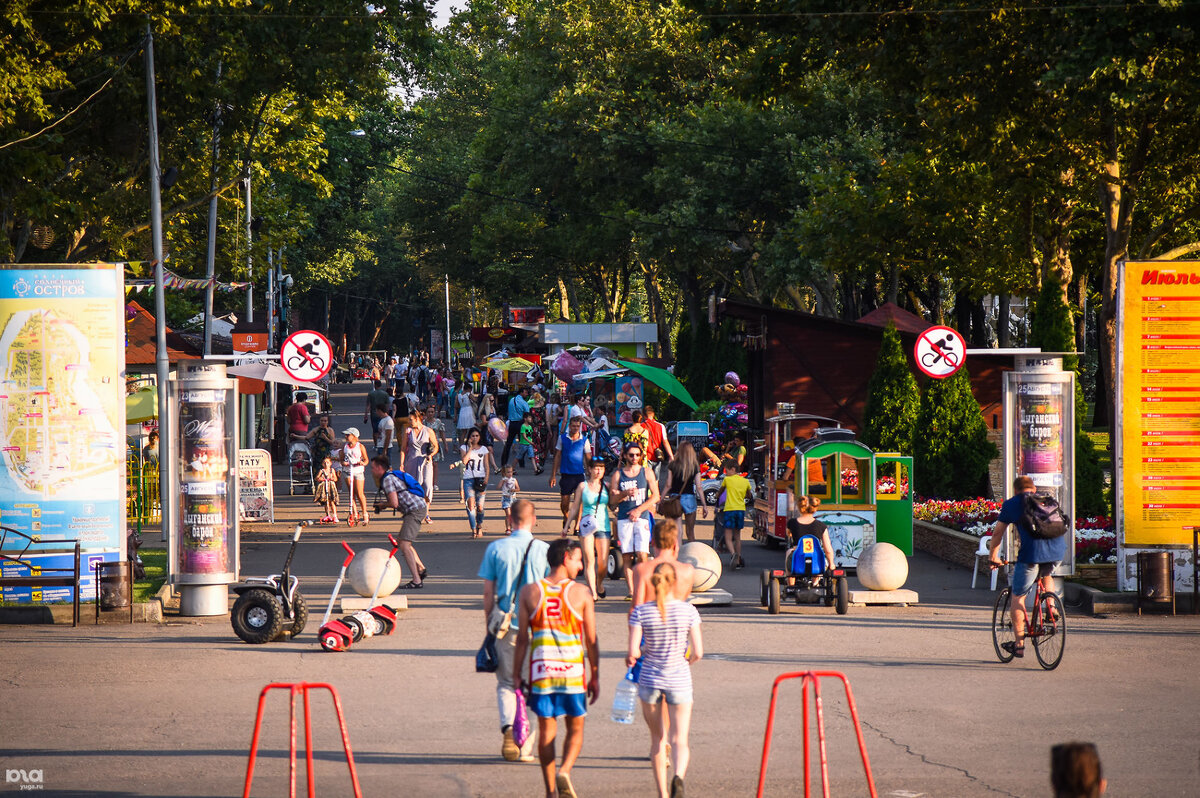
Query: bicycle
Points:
[1045, 626]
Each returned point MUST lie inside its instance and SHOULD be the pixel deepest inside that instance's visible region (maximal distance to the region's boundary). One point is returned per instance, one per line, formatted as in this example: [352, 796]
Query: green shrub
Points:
[893, 399]
[951, 451]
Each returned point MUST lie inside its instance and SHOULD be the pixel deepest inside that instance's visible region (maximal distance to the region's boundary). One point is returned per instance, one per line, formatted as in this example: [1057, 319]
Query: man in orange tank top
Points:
[558, 629]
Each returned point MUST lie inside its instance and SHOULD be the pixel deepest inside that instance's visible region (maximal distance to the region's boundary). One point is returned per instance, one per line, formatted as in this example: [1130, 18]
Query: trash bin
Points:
[1155, 580]
[114, 587]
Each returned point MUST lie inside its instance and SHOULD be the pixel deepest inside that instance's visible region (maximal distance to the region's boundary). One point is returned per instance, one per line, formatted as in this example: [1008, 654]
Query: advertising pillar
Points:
[1039, 434]
[204, 551]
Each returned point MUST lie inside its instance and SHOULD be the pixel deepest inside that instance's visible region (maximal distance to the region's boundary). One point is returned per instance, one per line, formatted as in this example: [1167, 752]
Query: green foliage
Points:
[951, 451]
[1051, 327]
[893, 399]
[702, 357]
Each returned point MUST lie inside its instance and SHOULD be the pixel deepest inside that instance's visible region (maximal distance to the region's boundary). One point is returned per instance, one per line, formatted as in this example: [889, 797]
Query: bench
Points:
[46, 577]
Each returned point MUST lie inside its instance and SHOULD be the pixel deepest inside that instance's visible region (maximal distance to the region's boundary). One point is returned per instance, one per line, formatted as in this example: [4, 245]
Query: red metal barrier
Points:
[813, 679]
[302, 687]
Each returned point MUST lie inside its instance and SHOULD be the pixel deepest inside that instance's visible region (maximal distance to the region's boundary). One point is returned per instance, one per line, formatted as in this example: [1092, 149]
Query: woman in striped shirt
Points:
[666, 634]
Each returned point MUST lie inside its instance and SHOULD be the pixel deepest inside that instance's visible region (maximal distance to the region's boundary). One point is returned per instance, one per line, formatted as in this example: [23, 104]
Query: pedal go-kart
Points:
[813, 581]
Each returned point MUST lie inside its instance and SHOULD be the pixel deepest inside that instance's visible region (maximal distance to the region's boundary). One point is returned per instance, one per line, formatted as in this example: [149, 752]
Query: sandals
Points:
[411, 585]
[1014, 649]
[565, 788]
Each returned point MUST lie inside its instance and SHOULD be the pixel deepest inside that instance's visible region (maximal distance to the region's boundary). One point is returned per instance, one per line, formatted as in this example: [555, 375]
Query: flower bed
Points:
[1095, 540]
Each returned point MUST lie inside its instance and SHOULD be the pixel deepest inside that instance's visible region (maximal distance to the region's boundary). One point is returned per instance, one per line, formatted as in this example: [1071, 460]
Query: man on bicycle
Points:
[1035, 561]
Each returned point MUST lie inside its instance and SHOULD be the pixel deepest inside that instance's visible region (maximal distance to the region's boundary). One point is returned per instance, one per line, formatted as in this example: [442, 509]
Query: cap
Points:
[351, 431]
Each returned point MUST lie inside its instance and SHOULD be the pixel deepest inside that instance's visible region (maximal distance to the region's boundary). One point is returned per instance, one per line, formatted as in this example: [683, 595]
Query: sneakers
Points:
[509, 749]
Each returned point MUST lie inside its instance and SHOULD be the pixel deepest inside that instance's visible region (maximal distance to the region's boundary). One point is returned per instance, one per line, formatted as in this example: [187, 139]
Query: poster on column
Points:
[62, 405]
[1158, 402]
[204, 470]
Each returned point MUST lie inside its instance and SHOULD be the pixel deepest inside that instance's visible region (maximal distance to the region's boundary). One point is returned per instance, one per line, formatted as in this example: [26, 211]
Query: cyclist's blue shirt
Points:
[1033, 550]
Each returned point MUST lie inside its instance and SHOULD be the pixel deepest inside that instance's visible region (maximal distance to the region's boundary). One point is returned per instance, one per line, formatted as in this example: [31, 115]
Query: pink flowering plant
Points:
[1095, 538]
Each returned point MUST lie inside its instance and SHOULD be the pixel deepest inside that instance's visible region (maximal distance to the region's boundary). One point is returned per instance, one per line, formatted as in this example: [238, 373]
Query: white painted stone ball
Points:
[705, 561]
[882, 566]
[365, 568]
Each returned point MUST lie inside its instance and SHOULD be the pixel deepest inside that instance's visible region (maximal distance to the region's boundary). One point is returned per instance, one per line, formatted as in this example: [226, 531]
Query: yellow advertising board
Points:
[1158, 402]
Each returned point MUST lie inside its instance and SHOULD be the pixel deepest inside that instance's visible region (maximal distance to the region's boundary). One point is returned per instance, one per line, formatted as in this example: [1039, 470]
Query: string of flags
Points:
[173, 282]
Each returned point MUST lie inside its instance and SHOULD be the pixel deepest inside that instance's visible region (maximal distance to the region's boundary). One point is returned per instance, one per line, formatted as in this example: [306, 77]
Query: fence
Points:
[143, 505]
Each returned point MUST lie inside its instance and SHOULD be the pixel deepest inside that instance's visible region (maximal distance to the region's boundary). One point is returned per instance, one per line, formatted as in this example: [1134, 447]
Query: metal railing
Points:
[143, 502]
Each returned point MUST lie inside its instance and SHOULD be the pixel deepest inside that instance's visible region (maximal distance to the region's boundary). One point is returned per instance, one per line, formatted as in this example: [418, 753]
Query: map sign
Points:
[62, 404]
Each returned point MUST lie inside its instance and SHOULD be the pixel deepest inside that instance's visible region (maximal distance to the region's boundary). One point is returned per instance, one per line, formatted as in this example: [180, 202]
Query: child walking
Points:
[509, 488]
[327, 492]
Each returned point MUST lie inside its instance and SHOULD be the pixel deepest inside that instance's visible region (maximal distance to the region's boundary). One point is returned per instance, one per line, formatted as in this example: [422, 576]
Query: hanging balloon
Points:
[732, 376]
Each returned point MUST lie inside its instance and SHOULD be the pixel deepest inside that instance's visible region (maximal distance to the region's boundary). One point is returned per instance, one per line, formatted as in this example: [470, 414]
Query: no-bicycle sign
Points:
[306, 355]
[940, 352]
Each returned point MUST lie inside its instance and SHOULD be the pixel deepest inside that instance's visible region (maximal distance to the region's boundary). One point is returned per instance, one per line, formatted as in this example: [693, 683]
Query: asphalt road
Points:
[168, 710]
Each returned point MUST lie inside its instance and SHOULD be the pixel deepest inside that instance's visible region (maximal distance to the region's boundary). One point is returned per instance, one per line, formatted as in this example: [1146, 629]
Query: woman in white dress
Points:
[466, 413]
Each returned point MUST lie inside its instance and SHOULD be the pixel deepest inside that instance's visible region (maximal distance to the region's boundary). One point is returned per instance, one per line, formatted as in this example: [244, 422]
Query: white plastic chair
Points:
[981, 558]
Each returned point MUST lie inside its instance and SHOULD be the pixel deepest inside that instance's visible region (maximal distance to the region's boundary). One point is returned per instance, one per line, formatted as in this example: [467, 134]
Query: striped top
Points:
[556, 641]
[663, 644]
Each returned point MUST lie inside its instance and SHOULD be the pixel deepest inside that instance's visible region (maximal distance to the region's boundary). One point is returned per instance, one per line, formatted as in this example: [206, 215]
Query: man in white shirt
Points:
[385, 435]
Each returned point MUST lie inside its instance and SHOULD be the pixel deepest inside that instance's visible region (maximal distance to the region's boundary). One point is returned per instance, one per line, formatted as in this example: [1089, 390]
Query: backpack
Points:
[1043, 517]
[410, 483]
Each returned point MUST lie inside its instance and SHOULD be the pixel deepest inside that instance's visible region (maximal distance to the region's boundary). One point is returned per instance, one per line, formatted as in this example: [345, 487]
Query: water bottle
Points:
[625, 700]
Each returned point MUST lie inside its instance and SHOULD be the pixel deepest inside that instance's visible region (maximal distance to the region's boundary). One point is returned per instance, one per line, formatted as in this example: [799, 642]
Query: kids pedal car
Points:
[812, 579]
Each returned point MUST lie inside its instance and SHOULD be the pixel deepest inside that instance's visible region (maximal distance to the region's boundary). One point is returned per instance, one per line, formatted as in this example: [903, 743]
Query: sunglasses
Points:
[633, 454]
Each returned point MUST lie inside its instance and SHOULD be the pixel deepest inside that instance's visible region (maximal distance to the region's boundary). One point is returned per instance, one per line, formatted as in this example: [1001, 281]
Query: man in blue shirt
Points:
[503, 579]
[1036, 560]
[517, 408]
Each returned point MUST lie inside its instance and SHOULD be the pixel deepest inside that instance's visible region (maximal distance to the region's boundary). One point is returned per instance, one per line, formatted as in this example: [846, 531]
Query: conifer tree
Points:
[893, 399]
[951, 451]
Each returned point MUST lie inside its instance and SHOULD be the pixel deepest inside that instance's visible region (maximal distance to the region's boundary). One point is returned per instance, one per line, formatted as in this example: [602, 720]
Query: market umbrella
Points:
[663, 379]
[269, 372]
[141, 406]
[510, 364]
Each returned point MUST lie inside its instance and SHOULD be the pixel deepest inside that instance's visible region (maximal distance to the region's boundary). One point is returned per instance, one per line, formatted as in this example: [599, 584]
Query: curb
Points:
[58, 614]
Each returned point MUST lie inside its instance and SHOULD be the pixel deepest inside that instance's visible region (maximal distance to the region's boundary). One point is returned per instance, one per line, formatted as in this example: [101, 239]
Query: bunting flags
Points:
[174, 282]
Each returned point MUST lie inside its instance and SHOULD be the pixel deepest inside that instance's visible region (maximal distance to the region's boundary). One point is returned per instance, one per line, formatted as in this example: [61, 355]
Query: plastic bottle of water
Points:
[626, 699]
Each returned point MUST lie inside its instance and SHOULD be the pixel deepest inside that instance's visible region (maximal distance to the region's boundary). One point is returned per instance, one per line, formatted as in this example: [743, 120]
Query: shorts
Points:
[1025, 574]
[687, 501]
[506, 502]
[567, 483]
[634, 535]
[410, 527]
[652, 695]
[734, 519]
[355, 472]
[525, 450]
[555, 705]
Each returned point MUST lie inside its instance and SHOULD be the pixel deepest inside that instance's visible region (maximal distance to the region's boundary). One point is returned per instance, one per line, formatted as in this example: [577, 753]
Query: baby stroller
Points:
[607, 448]
[300, 467]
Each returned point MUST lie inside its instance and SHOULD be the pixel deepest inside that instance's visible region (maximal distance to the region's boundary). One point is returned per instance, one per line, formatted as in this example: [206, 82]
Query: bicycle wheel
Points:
[1002, 629]
[1050, 625]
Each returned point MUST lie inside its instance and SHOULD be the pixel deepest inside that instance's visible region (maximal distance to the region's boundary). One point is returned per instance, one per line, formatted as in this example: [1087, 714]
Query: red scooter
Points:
[340, 634]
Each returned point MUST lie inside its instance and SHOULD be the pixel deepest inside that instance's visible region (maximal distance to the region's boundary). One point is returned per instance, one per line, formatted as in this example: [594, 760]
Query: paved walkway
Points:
[157, 710]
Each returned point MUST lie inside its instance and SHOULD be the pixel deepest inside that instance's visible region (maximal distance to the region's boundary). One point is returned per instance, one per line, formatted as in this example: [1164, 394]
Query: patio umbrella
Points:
[141, 406]
[269, 372]
[663, 379]
[510, 364]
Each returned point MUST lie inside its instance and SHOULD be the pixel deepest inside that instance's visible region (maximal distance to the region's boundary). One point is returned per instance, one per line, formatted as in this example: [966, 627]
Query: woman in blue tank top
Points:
[589, 514]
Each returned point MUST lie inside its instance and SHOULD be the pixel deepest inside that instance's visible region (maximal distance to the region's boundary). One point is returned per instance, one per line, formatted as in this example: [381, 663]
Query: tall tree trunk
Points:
[962, 314]
[979, 330]
[564, 301]
[1003, 337]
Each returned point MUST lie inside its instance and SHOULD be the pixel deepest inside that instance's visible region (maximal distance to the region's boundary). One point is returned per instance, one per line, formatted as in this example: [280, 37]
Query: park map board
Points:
[62, 355]
[1159, 403]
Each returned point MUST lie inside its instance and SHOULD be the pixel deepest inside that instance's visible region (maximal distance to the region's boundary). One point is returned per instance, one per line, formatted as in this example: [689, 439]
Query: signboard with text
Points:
[255, 492]
[1158, 402]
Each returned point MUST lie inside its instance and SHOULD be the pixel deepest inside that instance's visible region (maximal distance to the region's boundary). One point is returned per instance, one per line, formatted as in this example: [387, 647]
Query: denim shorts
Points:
[1025, 574]
[734, 519]
[506, 502]
[555, 705]
[687, 501]
[652, 695]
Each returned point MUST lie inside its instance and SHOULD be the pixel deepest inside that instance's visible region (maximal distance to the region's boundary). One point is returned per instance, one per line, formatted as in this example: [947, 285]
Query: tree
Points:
[951, 452]
[893, 399]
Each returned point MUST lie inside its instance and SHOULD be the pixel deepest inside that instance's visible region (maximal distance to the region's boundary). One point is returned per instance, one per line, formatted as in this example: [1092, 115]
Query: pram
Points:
[608, 448]
[300, 467]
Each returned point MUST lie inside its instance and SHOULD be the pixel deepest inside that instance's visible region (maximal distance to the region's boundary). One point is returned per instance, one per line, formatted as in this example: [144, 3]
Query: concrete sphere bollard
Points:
[706, 563]
[882, 566]
[365, 568]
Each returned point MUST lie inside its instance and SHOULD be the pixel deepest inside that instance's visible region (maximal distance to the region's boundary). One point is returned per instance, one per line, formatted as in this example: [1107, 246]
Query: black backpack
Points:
[1043, 517]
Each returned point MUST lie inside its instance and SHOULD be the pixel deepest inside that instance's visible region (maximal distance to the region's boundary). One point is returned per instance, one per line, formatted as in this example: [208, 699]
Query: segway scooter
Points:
[271, 607]
[340, 634]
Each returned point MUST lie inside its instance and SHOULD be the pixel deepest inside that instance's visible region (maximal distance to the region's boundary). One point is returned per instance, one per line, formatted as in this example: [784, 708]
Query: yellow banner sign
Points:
[1159, 402]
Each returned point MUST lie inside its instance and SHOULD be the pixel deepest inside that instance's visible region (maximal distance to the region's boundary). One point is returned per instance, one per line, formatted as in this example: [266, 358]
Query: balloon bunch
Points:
[734, 413]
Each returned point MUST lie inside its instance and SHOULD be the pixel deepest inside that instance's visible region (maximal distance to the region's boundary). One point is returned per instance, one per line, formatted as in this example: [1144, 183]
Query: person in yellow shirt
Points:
[738, 491]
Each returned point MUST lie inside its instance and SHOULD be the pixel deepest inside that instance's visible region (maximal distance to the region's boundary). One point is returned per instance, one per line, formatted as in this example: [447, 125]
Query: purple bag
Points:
[520, 727]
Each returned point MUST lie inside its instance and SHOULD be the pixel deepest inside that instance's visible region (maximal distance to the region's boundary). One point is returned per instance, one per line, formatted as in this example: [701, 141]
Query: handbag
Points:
[670, 506]
[520, 725]
[479, 484]
[486, 660]
[505, 622]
